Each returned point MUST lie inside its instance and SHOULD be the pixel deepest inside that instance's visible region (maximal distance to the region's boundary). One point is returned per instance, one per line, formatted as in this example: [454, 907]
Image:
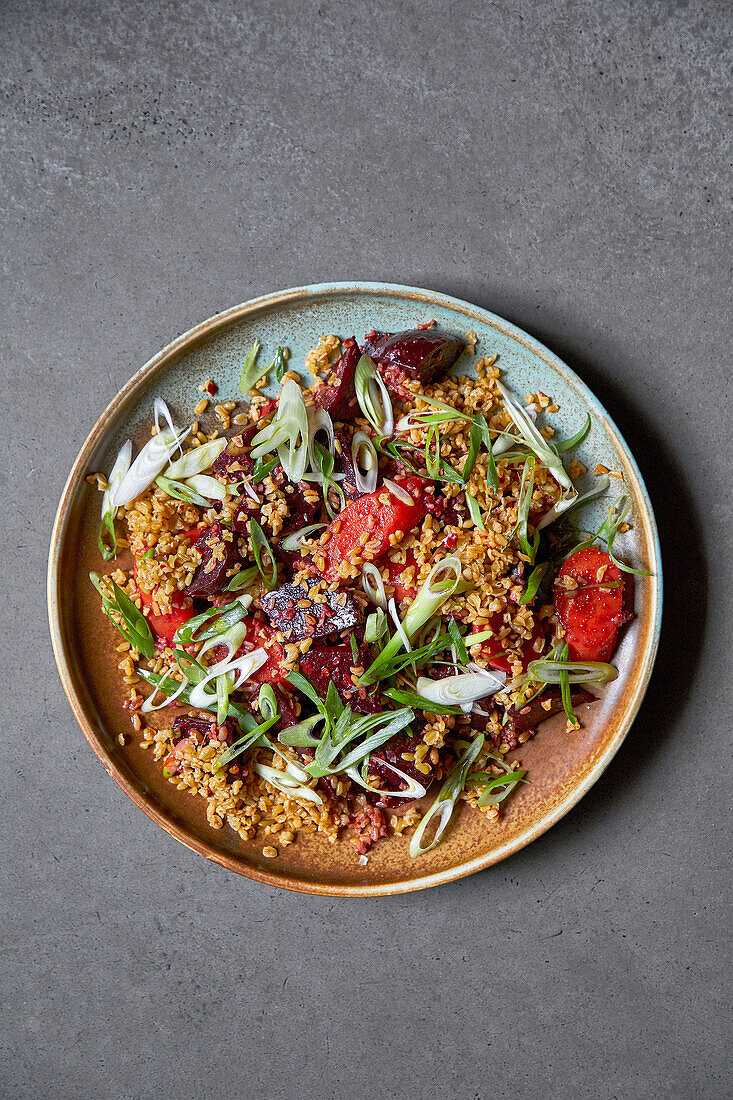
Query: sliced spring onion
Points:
[155, 455]
[392, 608]
[252, 738]
[178, 491]
[374, 400]
[241, 668]
[492, 795]
[365, 462]
[250, 373]
[413, 699]
[425, 415]
[196, 460]
[549, 671]
[267, 702]
[437, 588]
[373, 585]
[214, 621]
[462, 690]
[432, 451]
[280, 364]
[354, 648]
[294, 540]
[533, 582]
[617, 515]
[534, 440]
[458, 642]
[568, 444]
[319, 421]
[474, 511]
[242, 579]
[397, 491]
[567, 503]
[521, 528]
[287, 433]
[206, 486]
[287, 783]
[374, 728]
[412, 791]
[109, 510]
[260, 548]
[445, 803]
[300, 736]
[375, 626]
[264, 469]
[136, 630]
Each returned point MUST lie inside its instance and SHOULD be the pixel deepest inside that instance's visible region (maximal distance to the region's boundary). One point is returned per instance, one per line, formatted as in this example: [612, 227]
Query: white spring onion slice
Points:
[206, 486]
[397, 491]
[154, 456]
[287, 434]
[439, 585]
[375, 626]
[534, 440]
[249, 490]
[392, 608]
[161, 409]
[412, 791]
[447, 797]
[462, 690]
[109, 510]
[288, 784]
[319, 421]
[150, 705]
[366, 462]
[294, 540]
[373, 585]
[566, 503]
[238, 671]
[373, 396]
[196, 460]
[231, 638]
[577, 672]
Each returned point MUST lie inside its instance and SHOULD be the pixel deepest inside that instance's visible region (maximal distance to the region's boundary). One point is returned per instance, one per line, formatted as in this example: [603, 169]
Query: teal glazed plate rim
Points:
[561, 766]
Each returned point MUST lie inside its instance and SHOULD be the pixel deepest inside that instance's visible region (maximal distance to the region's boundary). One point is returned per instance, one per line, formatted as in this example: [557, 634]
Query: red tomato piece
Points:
[590, 614]
[379, 515]
[396, 570]
[165, 626]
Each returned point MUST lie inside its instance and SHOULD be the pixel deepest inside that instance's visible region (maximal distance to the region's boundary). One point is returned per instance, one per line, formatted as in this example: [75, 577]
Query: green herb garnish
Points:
[136, 630]
[260, 549]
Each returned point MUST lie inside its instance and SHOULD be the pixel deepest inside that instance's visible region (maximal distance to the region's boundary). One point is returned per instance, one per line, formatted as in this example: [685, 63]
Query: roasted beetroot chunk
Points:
[301, 511]
[291, 610]
[323, 664]
[338, 396]
[184, 726]
[528, 718]
[391, 753]
[344, 465]
[235, 461]
[419, 353]
[219, 554]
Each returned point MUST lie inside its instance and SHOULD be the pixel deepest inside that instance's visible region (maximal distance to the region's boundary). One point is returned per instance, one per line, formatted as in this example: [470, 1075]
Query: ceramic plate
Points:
[562, 766]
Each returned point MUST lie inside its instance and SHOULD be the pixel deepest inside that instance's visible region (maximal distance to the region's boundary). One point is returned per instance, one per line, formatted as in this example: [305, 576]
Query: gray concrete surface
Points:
[564, 165]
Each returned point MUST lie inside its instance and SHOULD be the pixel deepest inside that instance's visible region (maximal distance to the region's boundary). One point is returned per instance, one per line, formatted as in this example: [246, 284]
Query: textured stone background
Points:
[563, 164]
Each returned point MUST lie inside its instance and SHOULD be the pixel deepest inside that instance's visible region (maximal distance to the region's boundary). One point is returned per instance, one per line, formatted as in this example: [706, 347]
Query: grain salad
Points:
[343, 610]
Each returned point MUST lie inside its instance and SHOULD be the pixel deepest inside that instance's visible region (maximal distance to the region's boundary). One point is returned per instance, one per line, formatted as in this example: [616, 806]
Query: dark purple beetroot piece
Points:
[391, 753]
[344, 465]
[217, 544]
[531, 716]
[420, 353]
[323, 664]
[235, 461]
[291, 610]
[185, 726]
[338, 396]
[301, 511]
